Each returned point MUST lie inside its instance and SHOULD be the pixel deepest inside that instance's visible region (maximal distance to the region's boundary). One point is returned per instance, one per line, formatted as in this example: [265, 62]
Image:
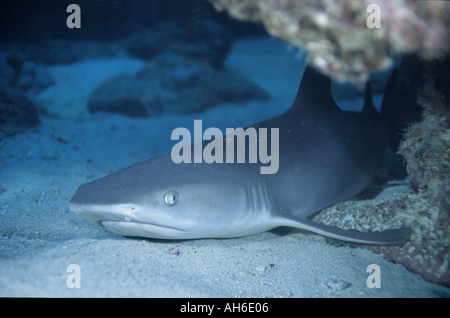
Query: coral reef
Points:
[17, 113]
[35, 77]
[184, 76]
[172, 85]
[336, 34]
[207, 40]
[24, 74]
[426, 149]
[62, 51]
[426, 144]
[427, 253]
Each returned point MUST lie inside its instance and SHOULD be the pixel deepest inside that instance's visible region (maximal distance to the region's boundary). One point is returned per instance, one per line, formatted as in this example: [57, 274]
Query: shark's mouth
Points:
[143, 229]
[120, 220]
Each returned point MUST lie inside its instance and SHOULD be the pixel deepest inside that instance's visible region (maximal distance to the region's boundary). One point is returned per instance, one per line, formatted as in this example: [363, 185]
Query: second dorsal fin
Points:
[369, 107]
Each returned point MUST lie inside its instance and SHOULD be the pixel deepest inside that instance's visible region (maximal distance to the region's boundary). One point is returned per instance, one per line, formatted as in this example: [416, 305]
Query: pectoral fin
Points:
[398, 236]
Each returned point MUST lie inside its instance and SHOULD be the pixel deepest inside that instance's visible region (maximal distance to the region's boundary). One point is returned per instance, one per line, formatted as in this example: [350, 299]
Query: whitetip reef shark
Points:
[326, 156]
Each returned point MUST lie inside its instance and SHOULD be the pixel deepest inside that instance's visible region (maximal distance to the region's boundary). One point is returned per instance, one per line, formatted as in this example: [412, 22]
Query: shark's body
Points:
[325, 156]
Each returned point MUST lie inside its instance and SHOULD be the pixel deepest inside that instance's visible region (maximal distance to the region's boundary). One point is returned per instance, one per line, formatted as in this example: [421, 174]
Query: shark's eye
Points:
[171, 197]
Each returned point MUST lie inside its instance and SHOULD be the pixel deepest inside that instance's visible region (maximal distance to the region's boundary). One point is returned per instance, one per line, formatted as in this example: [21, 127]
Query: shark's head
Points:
[160, 199]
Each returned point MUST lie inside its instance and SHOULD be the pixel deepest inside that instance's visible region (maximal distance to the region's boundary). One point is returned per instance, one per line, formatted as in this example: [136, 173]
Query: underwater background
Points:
[77, 104]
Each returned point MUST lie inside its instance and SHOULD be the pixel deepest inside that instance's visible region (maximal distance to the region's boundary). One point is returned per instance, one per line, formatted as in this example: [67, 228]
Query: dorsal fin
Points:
[369, 107]
[315, 92]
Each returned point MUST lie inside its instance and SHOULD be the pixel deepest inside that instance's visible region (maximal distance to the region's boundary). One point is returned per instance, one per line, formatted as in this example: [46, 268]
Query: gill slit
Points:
[258, 199]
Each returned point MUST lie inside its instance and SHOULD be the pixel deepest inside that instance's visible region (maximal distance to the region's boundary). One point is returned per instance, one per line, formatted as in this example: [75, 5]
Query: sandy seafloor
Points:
[41, 237]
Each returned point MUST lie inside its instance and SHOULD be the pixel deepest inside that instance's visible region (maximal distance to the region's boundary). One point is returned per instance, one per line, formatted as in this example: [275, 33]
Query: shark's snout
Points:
[122, 220]
[97, 214]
